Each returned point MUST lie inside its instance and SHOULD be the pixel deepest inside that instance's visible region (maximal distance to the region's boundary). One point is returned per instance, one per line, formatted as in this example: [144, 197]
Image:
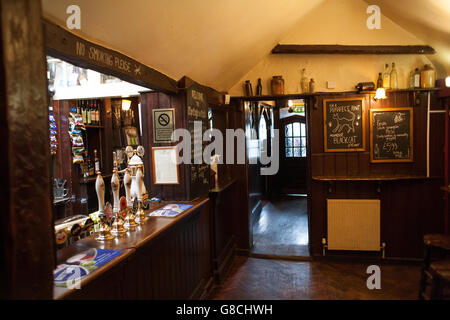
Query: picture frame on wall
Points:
[344, 125]
[165, 166]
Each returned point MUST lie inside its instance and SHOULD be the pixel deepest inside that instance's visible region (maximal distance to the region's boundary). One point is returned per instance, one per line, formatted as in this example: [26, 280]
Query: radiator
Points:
[353, 224]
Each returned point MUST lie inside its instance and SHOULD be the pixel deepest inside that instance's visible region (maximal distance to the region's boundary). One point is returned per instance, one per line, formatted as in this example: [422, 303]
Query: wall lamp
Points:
[380, 94]
[126, 104]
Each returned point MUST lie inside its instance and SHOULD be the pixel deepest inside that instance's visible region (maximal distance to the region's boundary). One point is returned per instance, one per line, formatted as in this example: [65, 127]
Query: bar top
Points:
[131, 241]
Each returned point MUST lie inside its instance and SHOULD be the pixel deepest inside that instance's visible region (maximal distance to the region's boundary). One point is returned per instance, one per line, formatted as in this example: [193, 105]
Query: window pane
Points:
[303, 130]
[303, 152]
[296, 152]
[288, 130]
[303, 142]
[288, 142]
[296, 128]
[289, 152]
[296, 142]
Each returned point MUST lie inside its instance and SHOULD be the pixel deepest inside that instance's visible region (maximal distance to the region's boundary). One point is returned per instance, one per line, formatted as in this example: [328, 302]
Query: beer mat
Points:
[170, 210]
[70, 273]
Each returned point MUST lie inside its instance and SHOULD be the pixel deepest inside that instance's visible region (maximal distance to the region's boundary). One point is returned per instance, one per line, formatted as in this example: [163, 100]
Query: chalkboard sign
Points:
[391, 134]
[197, 112]
[344, 125]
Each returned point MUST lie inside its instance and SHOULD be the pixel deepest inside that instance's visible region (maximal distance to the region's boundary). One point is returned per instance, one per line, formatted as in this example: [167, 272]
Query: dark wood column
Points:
[26, 252]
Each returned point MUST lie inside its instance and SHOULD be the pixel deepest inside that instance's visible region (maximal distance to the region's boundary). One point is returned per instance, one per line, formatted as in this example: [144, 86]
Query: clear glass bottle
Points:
[417, 78]
[312, 86]
[411, 79]
[304, 82]
[394, 81]
[386, 77]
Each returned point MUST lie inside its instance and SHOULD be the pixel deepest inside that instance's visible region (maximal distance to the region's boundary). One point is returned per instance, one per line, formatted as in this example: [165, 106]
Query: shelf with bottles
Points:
[90, 126]
[90, 111]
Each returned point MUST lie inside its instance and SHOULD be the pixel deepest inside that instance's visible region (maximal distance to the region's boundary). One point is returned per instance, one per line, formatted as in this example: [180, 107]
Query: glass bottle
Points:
[417, 78]
[97, 104]
[380, 81]
[411, 79]
[259, 87]
[83, 111]
[394, 82]
[386, 77]
[89, 113]
[96, 162]
[304, 82]
[312, 85]
[248, 88]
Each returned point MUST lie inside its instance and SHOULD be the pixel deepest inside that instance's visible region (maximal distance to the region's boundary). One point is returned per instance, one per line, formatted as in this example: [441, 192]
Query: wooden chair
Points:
[434, 274]
[440, 285]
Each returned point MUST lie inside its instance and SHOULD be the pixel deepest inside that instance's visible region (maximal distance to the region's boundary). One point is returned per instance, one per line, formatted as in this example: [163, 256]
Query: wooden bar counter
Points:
[165, 258]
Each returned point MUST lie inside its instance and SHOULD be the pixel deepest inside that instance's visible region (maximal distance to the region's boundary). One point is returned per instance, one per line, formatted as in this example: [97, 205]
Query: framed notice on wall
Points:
[343, 125]
[165, 167]
[163, 125]
[391, 135]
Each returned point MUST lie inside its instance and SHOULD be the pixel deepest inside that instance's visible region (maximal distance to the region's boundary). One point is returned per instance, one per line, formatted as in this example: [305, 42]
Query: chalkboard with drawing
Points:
[391, 135]
[344, 125]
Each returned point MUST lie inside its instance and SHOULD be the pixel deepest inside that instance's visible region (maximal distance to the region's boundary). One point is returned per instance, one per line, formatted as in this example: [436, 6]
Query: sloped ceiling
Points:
[214, 42]
[217, 42]
[428, 20]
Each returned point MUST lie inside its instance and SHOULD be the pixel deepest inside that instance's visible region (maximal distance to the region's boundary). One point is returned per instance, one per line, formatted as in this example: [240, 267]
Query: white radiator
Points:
[353, 224]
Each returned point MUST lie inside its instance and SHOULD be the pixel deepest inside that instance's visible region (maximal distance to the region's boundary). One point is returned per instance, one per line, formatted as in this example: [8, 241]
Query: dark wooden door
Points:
[293, 161]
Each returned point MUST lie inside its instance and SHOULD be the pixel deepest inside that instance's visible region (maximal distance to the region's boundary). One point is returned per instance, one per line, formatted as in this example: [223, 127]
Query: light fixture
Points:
[126, 104]
[447, 82]
[380, 94]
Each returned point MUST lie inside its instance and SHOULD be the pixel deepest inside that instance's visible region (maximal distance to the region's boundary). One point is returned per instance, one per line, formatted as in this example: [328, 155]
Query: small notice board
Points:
[344, 125]
[163, 125]
[391, 135]
[165, 167]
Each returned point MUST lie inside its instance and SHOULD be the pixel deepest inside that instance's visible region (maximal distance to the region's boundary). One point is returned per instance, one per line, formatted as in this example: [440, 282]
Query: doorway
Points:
[282, 227]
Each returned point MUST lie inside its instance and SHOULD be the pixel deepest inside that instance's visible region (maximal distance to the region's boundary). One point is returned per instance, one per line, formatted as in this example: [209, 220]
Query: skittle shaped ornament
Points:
[100, 190]
[140, 215]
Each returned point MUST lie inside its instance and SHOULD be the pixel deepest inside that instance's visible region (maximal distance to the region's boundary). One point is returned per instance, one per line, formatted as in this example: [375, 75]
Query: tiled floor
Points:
[282, 228]
[252, 278]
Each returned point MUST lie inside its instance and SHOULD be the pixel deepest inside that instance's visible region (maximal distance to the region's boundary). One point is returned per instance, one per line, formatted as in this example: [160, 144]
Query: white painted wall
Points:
[336, 22]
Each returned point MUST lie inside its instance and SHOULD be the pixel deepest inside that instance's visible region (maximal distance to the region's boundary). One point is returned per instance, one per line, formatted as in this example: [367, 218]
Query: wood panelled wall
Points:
[159, 100]
[411, 203]
[354, 164]
[410, 207]
[175, 265]
[240, 216]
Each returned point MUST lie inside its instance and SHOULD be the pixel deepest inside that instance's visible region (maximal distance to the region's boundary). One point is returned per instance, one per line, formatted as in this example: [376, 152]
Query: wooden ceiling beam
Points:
[350, 49]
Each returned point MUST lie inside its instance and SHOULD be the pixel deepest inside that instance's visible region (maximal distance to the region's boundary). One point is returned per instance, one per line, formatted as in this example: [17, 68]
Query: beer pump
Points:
[137, 190]
[117, 227]
[130, 220]
[104, 232]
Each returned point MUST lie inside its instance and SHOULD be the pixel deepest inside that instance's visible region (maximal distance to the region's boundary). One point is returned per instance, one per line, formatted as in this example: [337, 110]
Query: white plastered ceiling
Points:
[217, 42]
